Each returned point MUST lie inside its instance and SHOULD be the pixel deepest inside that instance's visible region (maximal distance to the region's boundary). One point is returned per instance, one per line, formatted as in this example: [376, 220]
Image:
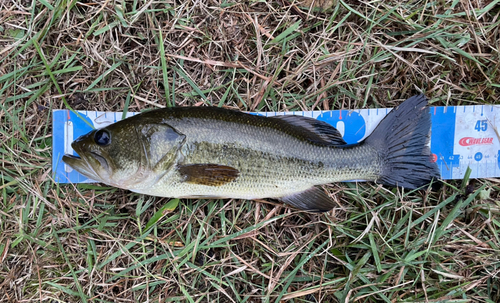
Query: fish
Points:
[211, 152]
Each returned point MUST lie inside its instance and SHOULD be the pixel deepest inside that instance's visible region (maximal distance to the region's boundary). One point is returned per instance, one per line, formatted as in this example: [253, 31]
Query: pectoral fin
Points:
[208, 174]
[314, 200]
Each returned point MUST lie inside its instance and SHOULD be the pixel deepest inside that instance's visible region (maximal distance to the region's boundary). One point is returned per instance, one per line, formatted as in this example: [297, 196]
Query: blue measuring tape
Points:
[462, 136]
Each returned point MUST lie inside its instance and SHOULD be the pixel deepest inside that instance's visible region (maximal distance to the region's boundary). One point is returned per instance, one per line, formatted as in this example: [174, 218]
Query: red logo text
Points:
[468, 141]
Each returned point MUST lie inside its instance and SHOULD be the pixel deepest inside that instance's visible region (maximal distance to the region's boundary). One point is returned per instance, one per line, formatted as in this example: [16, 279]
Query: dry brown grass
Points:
[89, 243]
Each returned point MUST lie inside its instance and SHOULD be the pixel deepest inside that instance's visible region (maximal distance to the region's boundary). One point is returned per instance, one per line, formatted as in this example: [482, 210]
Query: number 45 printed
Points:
[481, 125]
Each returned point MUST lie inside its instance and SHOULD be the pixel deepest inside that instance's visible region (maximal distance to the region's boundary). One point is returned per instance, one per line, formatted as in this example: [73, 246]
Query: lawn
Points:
[93, 243]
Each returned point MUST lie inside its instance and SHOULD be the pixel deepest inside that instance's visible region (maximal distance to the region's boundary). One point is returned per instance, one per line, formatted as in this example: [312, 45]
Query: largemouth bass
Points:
[209, 152]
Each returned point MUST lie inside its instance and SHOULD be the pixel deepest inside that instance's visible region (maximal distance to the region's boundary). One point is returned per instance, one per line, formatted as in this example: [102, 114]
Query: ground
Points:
[92, 243]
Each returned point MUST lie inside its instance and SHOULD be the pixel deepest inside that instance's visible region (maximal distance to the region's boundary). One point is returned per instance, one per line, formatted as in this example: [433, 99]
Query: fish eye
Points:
[102, 137]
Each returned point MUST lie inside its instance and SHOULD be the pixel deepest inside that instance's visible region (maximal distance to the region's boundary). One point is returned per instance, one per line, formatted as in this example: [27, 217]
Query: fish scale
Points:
[210, 152]
[262, 169]
[462, 136]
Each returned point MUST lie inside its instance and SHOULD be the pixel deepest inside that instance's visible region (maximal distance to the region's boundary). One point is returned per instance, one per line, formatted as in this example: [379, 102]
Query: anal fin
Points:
[314, 200]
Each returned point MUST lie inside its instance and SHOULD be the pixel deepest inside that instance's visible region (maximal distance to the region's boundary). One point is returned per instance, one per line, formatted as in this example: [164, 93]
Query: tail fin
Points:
[402, 138]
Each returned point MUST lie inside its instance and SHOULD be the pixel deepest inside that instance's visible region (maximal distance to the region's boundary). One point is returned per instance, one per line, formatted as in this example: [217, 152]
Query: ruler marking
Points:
[445, 118]
[496, 167]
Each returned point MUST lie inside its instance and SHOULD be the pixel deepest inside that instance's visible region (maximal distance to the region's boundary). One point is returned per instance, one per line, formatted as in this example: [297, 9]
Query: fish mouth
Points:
[68, 156]
[101, 159]
[82, 166]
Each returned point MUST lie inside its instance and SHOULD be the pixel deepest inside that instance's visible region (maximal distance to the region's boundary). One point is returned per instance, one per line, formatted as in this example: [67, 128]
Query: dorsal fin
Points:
[320, 131]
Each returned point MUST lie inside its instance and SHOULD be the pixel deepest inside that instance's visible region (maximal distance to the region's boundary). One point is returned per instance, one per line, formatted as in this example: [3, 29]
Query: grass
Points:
[91, 243]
